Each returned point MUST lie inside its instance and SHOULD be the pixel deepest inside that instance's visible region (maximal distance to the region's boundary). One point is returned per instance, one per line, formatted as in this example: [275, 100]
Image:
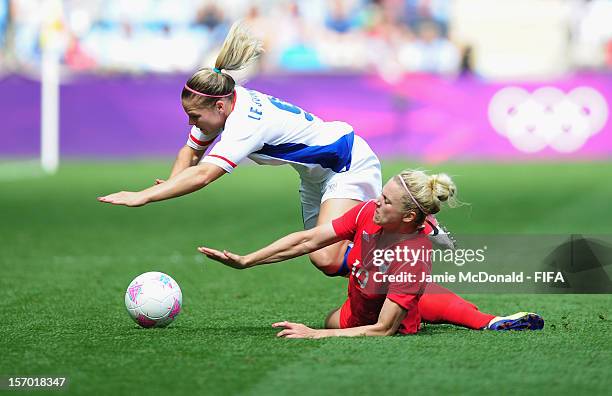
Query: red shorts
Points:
[410, 325]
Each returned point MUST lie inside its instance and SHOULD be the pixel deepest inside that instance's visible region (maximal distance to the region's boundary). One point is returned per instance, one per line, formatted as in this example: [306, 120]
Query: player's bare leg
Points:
[329, 259]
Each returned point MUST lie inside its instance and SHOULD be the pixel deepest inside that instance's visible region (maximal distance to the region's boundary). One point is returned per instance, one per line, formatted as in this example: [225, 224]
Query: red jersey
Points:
[382, 266]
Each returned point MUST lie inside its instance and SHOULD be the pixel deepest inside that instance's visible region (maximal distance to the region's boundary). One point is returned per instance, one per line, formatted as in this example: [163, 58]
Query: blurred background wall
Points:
[426, 79]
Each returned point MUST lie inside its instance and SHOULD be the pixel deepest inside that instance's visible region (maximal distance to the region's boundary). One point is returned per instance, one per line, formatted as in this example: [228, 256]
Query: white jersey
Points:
[270, 131]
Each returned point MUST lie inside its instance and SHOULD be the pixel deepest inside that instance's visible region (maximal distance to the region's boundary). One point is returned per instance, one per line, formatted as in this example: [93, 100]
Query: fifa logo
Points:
[548, 117]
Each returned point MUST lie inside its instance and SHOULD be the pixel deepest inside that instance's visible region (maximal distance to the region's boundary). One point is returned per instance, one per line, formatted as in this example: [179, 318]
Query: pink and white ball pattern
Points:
[153, 299]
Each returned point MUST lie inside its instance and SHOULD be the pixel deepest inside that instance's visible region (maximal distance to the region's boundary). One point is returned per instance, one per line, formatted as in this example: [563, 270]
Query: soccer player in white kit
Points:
[338, 170]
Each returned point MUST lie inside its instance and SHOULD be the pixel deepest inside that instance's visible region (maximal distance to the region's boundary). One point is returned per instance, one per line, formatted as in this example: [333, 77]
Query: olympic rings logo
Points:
[548, 117]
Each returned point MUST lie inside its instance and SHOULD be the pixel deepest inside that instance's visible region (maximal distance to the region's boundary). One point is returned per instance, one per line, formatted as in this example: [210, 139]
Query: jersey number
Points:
[281, 104]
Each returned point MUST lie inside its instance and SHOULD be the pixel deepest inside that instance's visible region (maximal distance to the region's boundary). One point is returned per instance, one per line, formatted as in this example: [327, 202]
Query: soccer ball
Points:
[153, 299]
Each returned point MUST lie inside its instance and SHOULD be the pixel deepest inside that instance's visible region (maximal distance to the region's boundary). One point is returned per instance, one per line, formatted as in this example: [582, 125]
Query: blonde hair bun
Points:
[442, 187]
[429, 190]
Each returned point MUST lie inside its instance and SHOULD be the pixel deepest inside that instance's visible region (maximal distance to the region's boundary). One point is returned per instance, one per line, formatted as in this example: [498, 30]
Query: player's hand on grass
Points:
[126, 198]
[296, 330]
[228, 258]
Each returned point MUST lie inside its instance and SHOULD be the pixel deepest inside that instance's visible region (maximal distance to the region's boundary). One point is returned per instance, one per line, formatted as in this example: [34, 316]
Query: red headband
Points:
[409, 193]
[208, 96]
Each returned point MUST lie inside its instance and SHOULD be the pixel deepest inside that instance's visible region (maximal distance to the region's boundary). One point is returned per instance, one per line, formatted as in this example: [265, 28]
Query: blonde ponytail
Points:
[239, 49]
[208, 85]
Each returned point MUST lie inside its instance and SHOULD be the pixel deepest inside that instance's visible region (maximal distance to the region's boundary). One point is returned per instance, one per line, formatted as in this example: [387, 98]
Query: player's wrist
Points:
[145, 197]
[323, 333]
[248, 261]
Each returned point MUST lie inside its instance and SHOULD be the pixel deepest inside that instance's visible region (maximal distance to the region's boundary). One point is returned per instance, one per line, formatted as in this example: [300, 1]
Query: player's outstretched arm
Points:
[185, 158]
[290, 246]
[185, 182]
[389, 320]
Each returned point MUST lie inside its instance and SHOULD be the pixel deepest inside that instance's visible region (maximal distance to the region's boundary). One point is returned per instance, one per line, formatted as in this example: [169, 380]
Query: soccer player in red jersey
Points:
[390, 295]
[337, 168]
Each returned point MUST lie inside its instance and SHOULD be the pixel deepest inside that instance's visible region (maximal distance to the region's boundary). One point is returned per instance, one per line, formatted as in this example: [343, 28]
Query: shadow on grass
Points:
[430, 329]
[210, 330]
[268, 331]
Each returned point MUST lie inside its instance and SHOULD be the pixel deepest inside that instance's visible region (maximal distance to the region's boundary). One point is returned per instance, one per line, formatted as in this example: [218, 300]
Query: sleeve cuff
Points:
[197, 144]
[406, 301]
[220, 161]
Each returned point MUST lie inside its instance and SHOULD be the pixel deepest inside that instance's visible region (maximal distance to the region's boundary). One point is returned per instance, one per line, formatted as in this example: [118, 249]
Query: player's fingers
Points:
[285, 333]
[296, 335]
[279, 324]
[205, 252]
[237, 259]
[111, 198]
[215, 257]
[115, 199]
[210, 252]
[232, 256]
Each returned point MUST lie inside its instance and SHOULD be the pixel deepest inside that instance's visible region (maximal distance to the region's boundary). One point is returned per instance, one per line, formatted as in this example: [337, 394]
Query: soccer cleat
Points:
[518, 321]
[438, 235]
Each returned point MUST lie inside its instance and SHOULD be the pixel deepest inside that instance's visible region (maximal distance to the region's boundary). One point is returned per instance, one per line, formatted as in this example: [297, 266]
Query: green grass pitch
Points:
[66, 261]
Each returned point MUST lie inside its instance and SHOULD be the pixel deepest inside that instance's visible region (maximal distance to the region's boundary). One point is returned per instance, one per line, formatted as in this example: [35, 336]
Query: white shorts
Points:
[362, 182]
